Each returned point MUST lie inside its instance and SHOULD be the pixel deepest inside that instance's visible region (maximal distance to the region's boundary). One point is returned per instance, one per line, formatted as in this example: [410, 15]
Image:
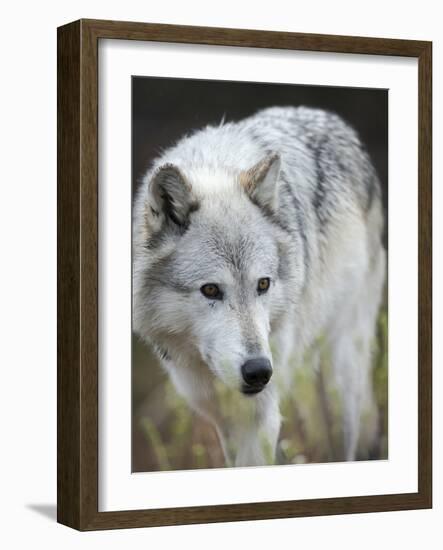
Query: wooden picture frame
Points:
[77, 455]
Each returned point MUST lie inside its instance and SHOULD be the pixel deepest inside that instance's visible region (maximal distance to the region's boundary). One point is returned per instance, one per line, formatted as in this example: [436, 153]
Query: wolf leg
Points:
[255, 435]
[351, 343]
[349, 365]
[197, 388]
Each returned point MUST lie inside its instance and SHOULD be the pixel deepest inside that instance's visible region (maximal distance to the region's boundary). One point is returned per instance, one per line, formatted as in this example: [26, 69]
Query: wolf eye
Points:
[211, 291]
[263, 285]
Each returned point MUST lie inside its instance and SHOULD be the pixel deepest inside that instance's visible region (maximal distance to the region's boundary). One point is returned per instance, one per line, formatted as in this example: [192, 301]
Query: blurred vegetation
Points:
[168, 435]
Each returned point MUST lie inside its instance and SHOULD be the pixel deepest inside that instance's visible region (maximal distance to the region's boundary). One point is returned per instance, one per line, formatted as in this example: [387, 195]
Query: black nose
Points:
[256, 373]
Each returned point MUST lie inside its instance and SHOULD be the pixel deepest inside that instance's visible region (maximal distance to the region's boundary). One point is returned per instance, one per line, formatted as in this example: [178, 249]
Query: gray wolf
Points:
[252, 240]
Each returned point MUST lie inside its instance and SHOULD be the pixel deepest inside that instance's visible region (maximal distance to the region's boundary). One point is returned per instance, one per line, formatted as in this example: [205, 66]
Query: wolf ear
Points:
[260, 182]
[170, 197]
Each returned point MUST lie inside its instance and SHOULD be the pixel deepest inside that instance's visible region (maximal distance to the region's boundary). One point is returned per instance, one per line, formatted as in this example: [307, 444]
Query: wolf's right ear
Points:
[169, 199]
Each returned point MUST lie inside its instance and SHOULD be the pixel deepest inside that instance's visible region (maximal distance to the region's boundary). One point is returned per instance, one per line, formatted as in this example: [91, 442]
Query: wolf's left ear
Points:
[260, 182]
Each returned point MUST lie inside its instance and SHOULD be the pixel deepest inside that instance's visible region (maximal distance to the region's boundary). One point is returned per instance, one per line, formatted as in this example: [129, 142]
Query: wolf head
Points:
[213, 269]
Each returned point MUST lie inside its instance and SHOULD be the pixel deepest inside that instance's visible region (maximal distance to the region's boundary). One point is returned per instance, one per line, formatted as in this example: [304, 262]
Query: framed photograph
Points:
[244, 275]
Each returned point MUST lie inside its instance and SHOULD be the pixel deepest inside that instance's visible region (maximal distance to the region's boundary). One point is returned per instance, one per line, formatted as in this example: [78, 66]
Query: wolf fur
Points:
[289, 194]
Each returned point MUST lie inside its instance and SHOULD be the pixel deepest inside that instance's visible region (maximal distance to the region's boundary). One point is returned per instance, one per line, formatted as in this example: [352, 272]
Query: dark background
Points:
[166, 434]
